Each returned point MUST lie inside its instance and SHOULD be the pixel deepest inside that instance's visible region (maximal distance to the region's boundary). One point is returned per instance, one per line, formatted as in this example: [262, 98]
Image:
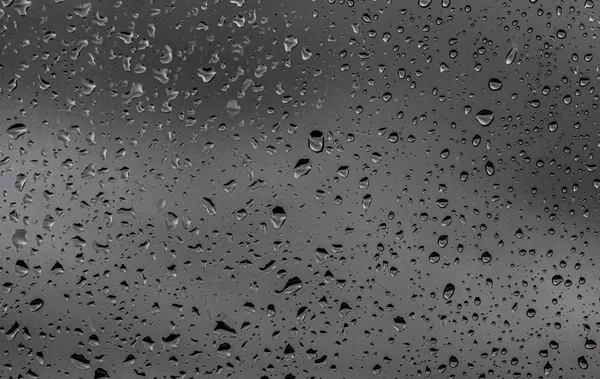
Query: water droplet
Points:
[399, 323]
[303, 167]
[171, 220]
[11, 333]
[484, 117]
[557, 279]
[21, 268]
[289, 43]
[80, 361]
[442, 203]
[278, 217]
[292, 285]
[206, 74]
[19, 238]
[36, 304]
[448, 291]
[486, 257]
[233, 108]
[530, 313]
[223, 330]
[16, 130]
[510, 57]
[210, 206]
[316, 141]
[489, 168]
[495, 84]
[434, 257]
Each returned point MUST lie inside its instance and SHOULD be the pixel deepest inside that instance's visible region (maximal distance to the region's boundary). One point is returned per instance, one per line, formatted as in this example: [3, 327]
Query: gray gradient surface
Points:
[310, 189]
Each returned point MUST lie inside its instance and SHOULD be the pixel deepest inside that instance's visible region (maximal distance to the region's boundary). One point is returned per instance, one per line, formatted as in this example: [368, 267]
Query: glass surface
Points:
[299, 189]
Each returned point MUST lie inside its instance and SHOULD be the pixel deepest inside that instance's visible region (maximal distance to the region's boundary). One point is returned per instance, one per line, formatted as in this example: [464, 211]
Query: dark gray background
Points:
[163, 220]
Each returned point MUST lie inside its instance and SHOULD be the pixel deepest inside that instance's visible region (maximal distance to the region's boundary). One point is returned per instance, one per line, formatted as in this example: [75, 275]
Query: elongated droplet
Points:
[510, 57]
[448, 291]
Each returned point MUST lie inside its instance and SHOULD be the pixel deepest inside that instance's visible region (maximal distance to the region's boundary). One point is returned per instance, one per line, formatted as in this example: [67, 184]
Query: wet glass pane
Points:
[299, 189]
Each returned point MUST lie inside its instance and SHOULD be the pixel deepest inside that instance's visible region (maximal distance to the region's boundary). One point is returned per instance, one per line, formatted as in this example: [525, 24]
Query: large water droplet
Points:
[19, 238]
[21, 268]
[316, 141]
[278, 217]
[489, 168]
[484, 117]
[36, 304]
[294, 284]
[449, 291]
[16, 130]
[80, 361]
[289, 43]
[582, 362]
[495, 84]
[303, 167]
[206, 74]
